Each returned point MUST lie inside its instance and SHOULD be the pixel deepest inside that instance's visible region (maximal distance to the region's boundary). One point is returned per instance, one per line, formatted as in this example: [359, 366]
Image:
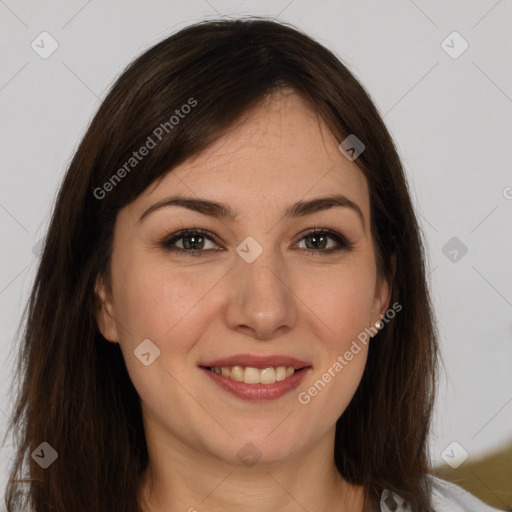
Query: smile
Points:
[257, 385]
[251, 375]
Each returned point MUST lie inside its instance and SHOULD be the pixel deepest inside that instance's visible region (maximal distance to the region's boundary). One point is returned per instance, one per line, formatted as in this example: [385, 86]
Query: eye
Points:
[319, 241]
[193, 242]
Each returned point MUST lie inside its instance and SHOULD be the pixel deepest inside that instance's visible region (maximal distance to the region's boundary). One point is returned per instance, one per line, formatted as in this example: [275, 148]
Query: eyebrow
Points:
[224, 211]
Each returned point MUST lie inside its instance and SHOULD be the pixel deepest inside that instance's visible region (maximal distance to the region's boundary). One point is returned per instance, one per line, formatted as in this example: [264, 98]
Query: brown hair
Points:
[75, 392]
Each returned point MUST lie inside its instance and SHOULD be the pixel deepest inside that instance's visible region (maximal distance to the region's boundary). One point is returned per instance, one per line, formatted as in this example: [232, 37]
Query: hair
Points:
[74, 389]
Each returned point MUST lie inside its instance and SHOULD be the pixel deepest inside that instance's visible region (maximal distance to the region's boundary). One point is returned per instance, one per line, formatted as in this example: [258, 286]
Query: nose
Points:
[261, 301]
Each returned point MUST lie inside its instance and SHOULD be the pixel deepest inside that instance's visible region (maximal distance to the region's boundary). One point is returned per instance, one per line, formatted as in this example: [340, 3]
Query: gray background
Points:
[450, 117]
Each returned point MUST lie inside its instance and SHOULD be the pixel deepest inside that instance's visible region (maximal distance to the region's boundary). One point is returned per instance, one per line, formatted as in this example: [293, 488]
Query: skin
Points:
[291, 300]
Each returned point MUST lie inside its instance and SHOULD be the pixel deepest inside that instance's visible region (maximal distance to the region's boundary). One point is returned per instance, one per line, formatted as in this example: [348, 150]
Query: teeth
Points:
[251, 375]
[280, 373]
[237, 373]
[267, 376]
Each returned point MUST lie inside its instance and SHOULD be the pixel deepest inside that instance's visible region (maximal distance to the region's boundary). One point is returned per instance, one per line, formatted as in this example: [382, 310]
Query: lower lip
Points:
[258, 392]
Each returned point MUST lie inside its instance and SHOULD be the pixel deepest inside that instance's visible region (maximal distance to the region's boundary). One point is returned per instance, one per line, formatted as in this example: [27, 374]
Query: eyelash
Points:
[343, 243]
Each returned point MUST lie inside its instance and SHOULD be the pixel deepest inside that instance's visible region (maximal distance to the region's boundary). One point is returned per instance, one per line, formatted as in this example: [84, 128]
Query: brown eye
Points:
[320, 240]
[192, 242]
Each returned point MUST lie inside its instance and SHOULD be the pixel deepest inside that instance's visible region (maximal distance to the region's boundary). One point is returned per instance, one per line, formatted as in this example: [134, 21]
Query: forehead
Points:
[280, 152]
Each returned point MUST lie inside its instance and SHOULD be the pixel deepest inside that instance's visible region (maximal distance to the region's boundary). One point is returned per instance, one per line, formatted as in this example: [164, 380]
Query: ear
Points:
[104, 316]
[383, 293]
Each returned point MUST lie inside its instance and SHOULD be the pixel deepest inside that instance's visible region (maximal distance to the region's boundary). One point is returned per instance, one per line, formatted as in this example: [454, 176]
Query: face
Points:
[258, 283]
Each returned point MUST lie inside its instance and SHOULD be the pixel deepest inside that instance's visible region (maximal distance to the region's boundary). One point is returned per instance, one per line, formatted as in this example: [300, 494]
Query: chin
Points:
[250, 452]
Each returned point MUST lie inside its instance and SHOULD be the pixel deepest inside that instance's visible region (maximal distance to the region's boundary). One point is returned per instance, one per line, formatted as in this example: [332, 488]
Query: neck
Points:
[181, 479]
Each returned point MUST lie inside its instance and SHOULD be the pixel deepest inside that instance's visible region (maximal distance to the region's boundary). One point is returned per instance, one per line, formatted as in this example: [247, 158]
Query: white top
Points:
[446, 497]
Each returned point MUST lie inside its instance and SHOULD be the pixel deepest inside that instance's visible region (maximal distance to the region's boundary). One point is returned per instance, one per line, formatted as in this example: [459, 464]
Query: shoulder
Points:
[445, 497]
[448, 497]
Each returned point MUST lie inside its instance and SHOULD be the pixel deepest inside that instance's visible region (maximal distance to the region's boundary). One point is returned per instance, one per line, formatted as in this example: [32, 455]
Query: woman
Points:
[231, 310]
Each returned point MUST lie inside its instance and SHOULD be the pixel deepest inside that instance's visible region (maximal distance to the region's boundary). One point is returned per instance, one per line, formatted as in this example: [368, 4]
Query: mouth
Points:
[257, 378]
[252, 375]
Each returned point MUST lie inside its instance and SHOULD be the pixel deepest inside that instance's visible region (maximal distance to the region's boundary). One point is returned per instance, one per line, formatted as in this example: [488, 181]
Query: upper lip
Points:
[257, 361]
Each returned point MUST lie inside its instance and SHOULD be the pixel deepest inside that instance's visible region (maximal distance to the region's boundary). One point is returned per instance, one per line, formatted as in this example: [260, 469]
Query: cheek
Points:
[171, 308]
[341, 305]
[156, 301]
[344, 315]
[342, 301]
